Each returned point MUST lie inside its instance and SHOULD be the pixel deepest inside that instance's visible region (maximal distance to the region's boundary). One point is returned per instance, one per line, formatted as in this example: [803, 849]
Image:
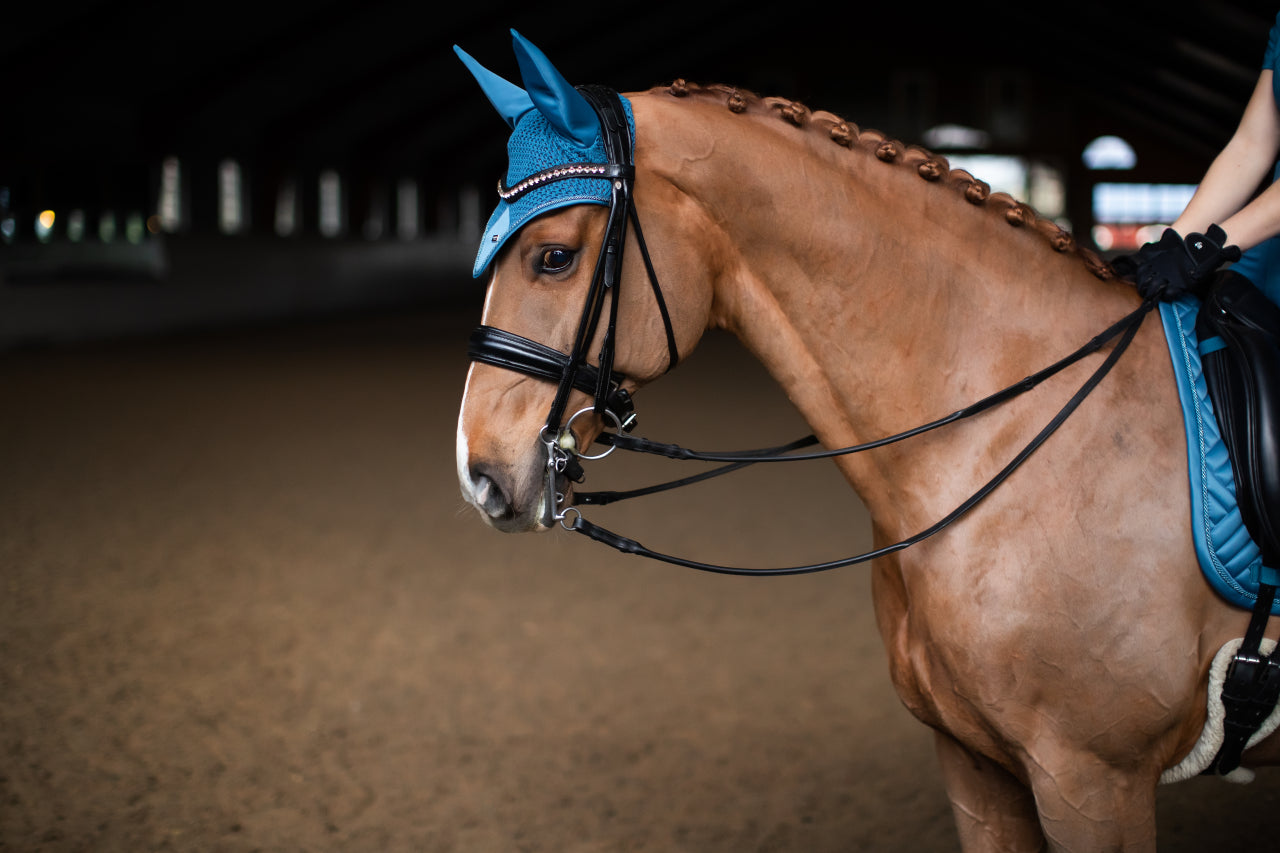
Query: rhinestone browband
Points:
[560, 173]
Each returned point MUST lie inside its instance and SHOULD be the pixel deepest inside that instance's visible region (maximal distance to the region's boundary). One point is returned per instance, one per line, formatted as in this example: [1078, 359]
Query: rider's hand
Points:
[1173, 266]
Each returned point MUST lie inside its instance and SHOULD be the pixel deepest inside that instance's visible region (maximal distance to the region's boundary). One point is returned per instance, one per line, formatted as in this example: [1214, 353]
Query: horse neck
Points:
[878, 299]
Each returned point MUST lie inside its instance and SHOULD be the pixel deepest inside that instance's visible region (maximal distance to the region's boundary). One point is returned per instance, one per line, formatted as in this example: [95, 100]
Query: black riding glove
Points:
[1173, 266]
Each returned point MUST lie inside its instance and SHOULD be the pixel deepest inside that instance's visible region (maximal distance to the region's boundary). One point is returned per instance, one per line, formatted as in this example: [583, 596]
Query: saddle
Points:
[1239, 331]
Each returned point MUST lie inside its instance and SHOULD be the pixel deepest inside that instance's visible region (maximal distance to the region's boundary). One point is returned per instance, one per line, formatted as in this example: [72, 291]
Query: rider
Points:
[1175, 265]
[1248, 367]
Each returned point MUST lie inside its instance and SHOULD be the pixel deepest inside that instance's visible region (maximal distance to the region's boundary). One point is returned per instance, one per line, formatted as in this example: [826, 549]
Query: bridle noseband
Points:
[612, 402]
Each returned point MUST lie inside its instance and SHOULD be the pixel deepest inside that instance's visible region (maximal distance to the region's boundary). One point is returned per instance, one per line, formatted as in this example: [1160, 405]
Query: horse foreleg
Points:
[993, 810]
[1087, 805]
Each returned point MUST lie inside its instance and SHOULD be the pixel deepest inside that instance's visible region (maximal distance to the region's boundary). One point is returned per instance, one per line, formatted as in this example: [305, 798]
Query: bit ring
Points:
[617, 427]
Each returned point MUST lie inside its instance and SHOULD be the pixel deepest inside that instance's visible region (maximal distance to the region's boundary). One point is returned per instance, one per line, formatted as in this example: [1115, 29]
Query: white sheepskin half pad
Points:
[1201, 755]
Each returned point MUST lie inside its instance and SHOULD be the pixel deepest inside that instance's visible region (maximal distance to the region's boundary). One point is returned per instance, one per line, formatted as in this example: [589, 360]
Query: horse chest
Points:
[908, 644]
[958, 671]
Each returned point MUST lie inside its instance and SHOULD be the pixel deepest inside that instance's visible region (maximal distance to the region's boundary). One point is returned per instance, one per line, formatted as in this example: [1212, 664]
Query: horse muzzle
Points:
[510, 497]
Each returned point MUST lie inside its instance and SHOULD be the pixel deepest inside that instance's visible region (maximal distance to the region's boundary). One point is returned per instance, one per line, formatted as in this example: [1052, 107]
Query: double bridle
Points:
[572, 372]
[613, 403]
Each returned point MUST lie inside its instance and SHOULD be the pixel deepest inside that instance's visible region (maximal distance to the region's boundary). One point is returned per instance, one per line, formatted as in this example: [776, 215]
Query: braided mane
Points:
[931, 167]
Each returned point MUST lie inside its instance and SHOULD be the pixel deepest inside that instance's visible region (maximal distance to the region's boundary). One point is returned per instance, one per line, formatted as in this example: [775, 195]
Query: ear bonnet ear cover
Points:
[552, 125]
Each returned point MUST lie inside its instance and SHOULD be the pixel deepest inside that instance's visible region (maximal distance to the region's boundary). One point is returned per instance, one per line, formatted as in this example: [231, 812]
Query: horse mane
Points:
[929, 166]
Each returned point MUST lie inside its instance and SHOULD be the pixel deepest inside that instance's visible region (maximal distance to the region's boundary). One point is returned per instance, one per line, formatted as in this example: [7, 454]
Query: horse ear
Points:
[561, 104]
[507, 98]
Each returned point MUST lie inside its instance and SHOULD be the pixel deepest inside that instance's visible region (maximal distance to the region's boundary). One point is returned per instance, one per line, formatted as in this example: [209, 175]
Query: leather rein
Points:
[611, 401]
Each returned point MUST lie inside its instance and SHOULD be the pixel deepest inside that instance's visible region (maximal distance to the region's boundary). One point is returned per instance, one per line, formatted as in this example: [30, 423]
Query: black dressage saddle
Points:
[1243, 377]
[1239, 332]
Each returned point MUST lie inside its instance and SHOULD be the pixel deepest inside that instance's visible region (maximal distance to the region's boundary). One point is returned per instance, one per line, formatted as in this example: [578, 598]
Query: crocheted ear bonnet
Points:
[551, 125]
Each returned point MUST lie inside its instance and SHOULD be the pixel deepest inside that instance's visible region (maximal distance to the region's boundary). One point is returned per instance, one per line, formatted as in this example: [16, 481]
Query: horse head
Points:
[541, 251]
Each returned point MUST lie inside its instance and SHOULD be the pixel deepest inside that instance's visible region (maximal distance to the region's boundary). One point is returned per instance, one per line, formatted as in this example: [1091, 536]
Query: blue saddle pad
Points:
[1230, 559]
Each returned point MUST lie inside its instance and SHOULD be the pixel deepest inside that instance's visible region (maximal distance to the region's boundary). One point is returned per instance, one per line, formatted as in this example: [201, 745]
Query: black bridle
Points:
[571, 371]
[504, 349]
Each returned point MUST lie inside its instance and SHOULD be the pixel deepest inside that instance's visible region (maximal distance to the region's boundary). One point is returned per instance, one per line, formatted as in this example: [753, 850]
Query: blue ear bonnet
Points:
[534, 146]
[545, 121]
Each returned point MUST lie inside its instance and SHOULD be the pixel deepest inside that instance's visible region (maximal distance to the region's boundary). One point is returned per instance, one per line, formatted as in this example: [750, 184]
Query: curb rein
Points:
[513, 352]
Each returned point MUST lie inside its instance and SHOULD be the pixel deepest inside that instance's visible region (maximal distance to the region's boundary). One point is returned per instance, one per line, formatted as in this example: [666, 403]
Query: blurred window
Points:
[107, 226]
[1109, 152]
[170, 206]
[8, 225]
[231, 203]
[331, 218]
[287, 208]
[135, 227]
[1128, 215]
[75, 226]
[407, 225]
[1140, 203]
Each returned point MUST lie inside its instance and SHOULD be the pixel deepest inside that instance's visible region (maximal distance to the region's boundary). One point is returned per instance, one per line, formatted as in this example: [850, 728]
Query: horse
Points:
[1058, 637]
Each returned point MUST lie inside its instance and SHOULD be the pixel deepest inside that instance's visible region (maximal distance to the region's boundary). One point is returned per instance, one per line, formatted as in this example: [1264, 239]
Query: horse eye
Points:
[555, 260]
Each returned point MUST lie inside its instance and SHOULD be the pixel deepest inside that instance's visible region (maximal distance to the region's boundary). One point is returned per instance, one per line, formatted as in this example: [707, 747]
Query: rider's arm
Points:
[1235, 174]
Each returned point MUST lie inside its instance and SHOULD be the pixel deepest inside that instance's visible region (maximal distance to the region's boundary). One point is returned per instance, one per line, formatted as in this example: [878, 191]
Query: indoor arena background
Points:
[244, 608]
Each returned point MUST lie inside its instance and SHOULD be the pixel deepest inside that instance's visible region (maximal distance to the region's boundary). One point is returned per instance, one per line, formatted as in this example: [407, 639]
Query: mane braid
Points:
[929, 166]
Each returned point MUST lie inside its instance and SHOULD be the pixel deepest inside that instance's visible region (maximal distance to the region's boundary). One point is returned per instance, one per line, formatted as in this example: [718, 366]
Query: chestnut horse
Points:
[1058, 637]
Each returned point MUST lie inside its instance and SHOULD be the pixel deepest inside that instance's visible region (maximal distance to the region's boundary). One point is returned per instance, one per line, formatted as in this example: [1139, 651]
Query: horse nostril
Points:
[489, 497]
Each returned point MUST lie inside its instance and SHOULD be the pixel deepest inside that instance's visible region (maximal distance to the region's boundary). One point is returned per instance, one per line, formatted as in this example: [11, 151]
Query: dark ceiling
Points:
[98, 93]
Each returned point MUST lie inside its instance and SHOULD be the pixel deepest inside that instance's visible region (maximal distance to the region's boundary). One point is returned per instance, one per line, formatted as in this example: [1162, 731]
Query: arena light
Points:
[44, 225]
